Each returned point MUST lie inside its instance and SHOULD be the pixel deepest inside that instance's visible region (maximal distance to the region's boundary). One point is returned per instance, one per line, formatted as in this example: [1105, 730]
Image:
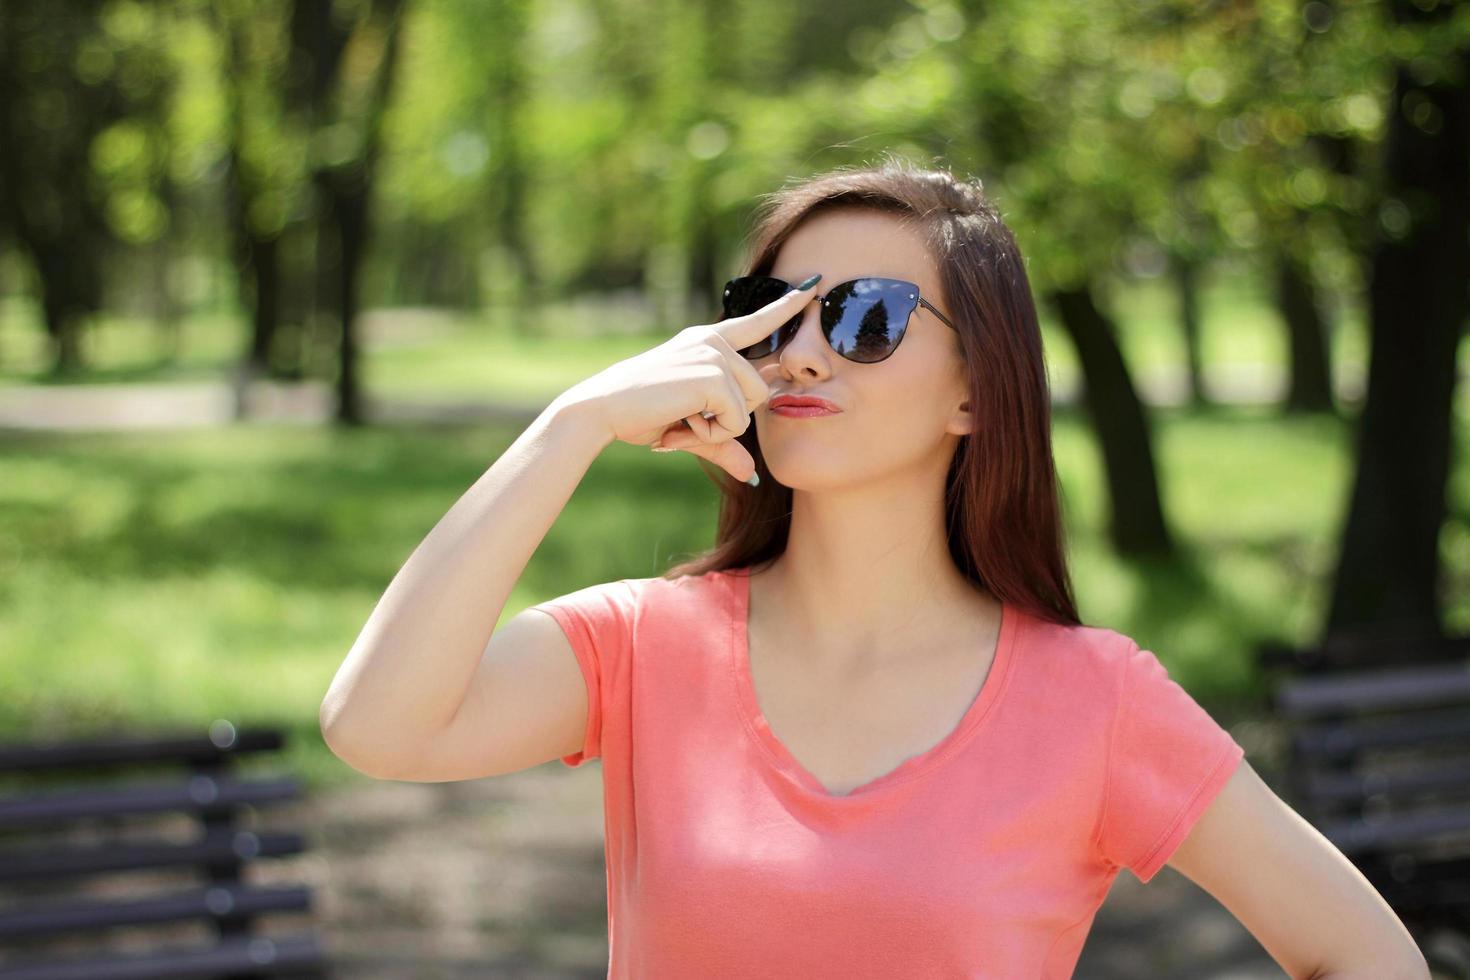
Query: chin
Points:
[817, 471]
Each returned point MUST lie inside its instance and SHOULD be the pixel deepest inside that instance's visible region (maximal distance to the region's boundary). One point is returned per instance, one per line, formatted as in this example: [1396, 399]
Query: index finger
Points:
[743, 331]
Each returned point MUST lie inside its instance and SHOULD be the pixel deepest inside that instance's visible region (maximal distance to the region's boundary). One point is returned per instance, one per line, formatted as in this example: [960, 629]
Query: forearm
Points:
[408, 670]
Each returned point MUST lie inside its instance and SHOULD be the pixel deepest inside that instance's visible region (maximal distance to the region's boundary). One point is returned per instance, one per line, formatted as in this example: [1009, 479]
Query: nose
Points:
[807, 350]
[810, 314]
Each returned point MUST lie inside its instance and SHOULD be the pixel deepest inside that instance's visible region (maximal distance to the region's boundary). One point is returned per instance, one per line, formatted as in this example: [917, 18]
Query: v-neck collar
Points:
[738, 581]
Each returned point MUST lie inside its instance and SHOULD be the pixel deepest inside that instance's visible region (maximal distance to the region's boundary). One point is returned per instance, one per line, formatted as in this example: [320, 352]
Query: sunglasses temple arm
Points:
[930, 307]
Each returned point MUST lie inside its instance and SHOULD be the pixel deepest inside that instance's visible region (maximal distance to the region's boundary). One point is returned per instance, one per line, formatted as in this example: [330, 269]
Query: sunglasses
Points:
[864, 319]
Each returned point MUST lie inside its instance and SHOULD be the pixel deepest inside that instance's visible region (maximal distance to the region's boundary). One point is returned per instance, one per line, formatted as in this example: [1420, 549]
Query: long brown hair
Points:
[1001, 493]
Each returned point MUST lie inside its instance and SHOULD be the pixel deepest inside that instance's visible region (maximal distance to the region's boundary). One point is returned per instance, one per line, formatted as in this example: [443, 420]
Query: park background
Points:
[279, 281]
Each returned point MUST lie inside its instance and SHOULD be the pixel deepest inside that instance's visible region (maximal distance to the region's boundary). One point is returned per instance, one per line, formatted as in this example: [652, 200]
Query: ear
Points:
[963, 421]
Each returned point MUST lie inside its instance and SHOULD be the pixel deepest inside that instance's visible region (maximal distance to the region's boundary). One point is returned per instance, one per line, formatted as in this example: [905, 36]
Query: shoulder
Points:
[1078, 655]
[1066, 671]
[623, 590]
[632, 600]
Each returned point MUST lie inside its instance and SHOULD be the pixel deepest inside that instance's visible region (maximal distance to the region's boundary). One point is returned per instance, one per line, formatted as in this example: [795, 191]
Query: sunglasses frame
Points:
[920, 301]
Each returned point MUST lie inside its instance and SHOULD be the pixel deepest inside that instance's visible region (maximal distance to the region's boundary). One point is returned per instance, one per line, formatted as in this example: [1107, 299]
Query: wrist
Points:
[579, 419]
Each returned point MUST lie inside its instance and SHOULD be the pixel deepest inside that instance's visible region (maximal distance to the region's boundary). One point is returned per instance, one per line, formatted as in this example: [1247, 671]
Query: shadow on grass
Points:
[321, 509]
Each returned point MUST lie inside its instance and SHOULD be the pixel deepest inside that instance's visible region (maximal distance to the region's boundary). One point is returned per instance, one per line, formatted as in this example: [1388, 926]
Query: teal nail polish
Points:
[807, 284]
[755, 480]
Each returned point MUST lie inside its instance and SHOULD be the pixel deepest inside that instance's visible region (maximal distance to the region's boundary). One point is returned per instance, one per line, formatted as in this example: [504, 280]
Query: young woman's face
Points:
[900, 416]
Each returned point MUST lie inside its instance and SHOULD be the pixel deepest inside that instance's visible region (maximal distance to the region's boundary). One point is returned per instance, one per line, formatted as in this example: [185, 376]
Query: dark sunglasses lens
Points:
[866, 318]
[745, 295]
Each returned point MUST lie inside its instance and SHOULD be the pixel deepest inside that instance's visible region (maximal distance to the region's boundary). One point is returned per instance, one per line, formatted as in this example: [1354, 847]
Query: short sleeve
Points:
[1167, 760]
[598, 622]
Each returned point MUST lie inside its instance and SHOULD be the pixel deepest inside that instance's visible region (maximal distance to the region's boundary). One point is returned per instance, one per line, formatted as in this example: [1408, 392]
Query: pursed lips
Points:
[801, 401]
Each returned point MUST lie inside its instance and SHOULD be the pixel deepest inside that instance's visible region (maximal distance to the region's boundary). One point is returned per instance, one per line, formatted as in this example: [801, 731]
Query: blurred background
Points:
[279, 280]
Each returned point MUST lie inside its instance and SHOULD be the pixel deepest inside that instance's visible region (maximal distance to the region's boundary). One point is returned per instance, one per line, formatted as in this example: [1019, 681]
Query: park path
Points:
[208, 404]
[95, 407]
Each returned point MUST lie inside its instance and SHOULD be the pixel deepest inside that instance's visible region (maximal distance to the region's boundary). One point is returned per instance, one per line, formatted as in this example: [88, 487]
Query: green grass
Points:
[182, 577]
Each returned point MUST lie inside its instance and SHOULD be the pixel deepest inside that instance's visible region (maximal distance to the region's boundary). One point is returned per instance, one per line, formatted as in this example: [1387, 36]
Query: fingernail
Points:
[809, 282]
[664, 449]
[755, 480]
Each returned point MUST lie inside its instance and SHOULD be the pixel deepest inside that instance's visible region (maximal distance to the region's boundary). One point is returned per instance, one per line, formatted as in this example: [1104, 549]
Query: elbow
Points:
[333, 738]
[324, 721]
[338, 741]
[362, 752]
[356, 759]
[1410, 966]
[329, 722]
[337, 725]
[329, 719]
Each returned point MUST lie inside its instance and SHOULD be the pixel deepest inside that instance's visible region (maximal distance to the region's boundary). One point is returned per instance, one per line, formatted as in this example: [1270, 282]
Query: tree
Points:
[349, 51]
[268, 187]
[81, 148]
[1387, 578]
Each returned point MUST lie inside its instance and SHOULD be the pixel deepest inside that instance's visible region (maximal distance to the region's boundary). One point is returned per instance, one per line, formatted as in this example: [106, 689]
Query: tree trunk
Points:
[1137, 527]
[1186, 283]
[350, 209]
[1309, 369]
[1387, 578]
[266, 275]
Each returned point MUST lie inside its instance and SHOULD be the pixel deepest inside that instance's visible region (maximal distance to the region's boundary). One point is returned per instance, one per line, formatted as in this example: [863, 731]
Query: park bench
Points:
[89, 879]
[1378, 760]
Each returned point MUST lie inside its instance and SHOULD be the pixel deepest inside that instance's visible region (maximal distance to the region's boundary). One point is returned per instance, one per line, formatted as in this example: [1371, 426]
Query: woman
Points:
[865, 735]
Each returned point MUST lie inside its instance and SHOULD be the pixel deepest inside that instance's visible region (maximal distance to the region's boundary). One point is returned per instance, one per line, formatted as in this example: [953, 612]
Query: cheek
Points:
[906, 427]
[910, 387]
[910, 407]
[897, 414]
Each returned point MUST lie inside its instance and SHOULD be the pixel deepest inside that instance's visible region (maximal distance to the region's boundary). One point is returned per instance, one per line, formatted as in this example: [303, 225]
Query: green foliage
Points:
[595, 143]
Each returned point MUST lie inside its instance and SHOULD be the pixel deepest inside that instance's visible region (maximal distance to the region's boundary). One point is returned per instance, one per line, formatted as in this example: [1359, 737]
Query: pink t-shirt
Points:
[986, 855]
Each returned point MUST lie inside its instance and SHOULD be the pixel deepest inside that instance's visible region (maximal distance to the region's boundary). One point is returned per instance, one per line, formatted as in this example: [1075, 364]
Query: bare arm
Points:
[430, 689]
[1307, 904]
[408, 672]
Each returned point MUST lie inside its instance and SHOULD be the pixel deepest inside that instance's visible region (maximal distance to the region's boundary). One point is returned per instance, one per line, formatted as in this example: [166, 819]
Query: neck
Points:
[867, 575]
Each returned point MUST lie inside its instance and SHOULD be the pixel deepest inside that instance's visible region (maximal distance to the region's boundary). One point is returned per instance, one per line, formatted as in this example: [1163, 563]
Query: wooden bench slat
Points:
[1438, 895]
[72, 915]
[93, 752]
[1356, 835]
[1338, 740]
[1338, 786]
[1403, 868]
[260, 954]
[1375, 690]
[214, 847]
[196, 793]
